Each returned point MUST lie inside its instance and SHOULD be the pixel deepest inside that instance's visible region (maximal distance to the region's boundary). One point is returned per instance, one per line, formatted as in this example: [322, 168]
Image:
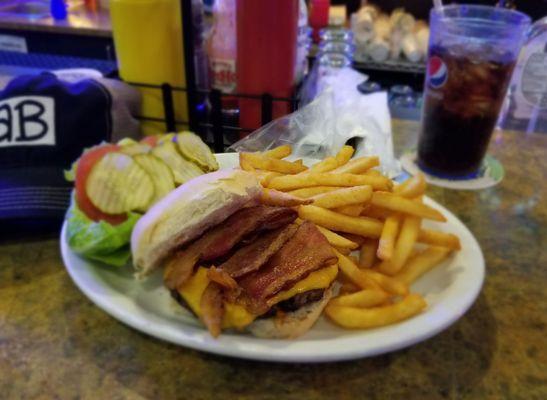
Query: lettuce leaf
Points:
[99, 240]
[70, 174]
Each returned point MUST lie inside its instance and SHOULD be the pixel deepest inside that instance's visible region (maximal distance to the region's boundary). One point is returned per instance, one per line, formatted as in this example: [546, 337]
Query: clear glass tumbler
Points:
[472, 53]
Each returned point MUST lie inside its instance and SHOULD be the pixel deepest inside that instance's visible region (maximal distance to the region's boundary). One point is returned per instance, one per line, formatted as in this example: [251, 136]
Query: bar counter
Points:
[78, 22]
[55, 344]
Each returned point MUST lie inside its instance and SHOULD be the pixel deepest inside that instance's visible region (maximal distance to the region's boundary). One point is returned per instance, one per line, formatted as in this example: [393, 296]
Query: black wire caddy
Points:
[205, 111]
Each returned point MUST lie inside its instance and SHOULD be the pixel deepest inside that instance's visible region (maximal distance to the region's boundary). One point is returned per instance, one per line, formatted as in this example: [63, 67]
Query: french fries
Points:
[412, 187]
[291, 182]
[312, 191]
[355, 238]
[367, 254]
[344, 155]
[362, 318]
[372, 226]
[265, 176]
[343, 250]
[259, 161]
[363, 298]
[349, 287]
[375, 212]
[386, 245]
[354, 274]
[343, 197]
[336, 240]
[373, 172]
[437, 238]
[362, 226]
[403, 248]
[245, 165]
[353, 210]
[354, 259]
[328, 164]
[387, 283]
[358, 166]
[397, 203]
[279, 152]
[275, 198]
[421, 263]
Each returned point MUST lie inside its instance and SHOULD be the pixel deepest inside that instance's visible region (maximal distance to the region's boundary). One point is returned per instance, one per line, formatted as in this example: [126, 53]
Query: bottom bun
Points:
[292, 324]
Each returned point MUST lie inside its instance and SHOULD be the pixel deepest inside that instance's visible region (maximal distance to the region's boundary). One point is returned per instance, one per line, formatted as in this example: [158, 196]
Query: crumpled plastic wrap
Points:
[338, 115]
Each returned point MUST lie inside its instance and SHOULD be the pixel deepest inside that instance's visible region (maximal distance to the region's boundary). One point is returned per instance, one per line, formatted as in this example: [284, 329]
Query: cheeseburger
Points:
[234, 262]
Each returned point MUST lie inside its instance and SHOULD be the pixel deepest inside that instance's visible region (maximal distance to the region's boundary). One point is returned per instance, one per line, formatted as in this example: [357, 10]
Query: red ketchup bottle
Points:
[318, 16]
[266, 54]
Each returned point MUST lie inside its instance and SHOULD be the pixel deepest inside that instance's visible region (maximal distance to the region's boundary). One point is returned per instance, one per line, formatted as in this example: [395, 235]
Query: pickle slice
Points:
[192, 148]
[126, 142]
[161, 174]
[136, 148]
[167, 137]
[117, 184]
[183, 170]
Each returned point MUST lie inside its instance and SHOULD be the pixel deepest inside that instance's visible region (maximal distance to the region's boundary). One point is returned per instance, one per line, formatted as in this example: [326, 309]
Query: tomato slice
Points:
[85, 164]
[150, 140]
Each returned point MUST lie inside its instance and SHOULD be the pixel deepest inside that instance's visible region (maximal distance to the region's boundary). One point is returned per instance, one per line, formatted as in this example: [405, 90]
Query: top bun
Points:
[186, 212]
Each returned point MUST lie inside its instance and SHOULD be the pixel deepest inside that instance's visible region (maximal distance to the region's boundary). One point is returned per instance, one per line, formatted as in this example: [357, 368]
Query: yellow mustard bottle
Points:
[149, 49]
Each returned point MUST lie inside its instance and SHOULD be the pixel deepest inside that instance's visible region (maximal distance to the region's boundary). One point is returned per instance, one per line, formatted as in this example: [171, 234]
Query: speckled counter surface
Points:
[54, 344]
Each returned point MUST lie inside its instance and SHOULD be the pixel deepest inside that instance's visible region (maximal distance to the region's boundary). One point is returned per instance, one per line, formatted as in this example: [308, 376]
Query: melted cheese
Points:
[237, 316]
[193, 289]
[320, 279]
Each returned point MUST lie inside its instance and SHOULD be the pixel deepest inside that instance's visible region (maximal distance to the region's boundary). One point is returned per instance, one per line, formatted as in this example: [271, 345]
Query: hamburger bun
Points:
[186, 212]
[292, 324]
[202, 203]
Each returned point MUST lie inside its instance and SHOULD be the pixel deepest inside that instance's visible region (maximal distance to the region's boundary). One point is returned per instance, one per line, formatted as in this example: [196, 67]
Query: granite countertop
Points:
[55, 344]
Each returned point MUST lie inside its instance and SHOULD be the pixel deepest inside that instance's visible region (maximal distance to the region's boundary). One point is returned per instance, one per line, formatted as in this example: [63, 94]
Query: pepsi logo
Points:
[437, 72]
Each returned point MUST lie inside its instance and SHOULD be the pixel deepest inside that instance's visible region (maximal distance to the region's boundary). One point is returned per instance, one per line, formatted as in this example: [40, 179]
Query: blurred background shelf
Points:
[34, 15]
[365, 64]
[84, 40]
[46, 61]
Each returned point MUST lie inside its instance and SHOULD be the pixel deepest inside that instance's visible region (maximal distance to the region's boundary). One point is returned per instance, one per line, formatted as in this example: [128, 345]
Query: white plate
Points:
[449, 290]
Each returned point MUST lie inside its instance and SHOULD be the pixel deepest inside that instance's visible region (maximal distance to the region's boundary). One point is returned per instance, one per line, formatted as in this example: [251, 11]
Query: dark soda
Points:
[464, 92]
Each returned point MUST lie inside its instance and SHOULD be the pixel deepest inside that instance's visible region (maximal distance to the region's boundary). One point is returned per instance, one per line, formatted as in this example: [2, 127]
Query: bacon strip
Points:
[250, 258]
[273, 197]
[230, 286]
[283, 216]
[212, 308]
[222, 278]
[219, 240]
[179, 269]
[306, 251]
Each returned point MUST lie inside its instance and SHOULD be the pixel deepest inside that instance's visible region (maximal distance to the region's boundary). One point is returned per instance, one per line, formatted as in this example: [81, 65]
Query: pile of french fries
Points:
[374, 227]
